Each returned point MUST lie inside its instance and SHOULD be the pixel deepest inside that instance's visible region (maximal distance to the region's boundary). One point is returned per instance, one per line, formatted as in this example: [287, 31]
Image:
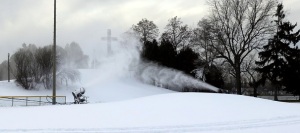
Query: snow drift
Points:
[174, 112]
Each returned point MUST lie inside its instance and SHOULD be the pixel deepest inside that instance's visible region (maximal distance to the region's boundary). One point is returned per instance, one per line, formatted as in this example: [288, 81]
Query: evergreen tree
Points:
[209, 73]
[150, 51]
[167, 54]
[214, 76]
[185, 60]
[292, 75]
[279, 56]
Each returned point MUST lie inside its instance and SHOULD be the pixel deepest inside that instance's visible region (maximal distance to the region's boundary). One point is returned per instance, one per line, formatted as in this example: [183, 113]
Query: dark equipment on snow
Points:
[79, 98]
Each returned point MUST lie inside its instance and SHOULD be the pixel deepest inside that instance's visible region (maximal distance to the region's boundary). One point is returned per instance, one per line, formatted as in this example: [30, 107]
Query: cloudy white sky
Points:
[86, 21]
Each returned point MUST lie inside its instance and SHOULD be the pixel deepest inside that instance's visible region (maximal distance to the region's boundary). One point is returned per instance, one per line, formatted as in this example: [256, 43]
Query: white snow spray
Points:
[126, 62]
[169, 78]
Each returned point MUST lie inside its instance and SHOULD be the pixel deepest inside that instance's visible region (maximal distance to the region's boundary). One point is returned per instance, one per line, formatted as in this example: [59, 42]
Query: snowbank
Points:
[174, 112]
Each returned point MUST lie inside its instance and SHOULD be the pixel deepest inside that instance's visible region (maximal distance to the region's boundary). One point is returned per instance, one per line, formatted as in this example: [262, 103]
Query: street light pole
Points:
[54, 57]
[8, 71]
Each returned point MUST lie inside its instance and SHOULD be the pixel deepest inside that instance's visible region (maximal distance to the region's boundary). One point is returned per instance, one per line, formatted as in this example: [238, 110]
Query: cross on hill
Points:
[109, 38]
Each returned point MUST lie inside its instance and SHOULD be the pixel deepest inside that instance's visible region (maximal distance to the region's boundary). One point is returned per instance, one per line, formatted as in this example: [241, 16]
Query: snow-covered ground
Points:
[119, 103]
[125, 105]
[173, 112]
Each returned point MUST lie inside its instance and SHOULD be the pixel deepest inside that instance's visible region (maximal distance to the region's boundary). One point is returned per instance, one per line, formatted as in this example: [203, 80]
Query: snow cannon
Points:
[79, 97]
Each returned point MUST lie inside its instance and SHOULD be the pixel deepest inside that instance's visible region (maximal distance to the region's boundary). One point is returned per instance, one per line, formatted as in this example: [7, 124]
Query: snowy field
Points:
[120, 103]
[128, 106]
[173, 112]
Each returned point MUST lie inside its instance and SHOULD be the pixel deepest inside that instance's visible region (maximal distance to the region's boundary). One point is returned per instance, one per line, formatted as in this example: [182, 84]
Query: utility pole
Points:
[8, 71]
[54, 57]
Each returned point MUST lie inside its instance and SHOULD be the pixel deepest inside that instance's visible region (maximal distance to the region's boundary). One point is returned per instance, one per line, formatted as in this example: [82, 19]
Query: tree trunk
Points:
[276, 94]
[238, 82]
[255, 92]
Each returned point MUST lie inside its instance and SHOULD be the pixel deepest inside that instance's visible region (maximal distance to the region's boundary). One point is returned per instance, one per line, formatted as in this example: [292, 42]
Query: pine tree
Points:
[185, 60]
[292, 75]
[150, 51]
[167, 54]
[278, 56]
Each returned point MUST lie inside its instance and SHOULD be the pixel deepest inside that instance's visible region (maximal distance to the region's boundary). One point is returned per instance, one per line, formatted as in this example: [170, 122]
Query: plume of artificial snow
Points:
[170, 78]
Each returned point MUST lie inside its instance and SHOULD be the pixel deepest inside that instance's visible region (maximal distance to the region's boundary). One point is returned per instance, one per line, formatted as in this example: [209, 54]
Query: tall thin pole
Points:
[8, 71]
[109, 51]
[54, 57]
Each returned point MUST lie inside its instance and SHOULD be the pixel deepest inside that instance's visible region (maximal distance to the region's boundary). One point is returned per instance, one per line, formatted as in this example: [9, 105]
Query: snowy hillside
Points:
[122, 101]
[97, 89]
[138, 107]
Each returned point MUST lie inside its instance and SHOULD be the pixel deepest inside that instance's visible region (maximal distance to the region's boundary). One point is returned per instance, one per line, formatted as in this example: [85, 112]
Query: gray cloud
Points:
[86, 21]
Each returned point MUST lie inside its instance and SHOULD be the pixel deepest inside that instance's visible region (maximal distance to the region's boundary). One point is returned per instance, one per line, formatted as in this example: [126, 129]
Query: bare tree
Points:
[146, 29]
[249, 72]
[75, 56]
[3, 70]
[202, 38]
[24, 60]
[202, 41]
[242, 26]
[177, 33]
[44, 60]
[68, 74]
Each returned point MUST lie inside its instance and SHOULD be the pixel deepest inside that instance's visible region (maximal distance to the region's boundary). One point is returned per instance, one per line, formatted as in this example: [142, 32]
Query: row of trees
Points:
[32, 65]
[185, 60]
[230, 39]
[176, 49]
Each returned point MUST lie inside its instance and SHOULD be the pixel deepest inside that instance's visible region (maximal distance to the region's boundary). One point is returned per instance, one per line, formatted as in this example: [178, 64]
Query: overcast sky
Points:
[86, 21]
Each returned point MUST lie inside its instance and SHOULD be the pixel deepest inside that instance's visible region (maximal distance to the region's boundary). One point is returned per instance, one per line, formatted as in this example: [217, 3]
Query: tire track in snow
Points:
[218, 126]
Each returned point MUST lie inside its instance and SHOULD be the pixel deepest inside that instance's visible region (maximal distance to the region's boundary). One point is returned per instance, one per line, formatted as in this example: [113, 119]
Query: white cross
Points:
[109, 39]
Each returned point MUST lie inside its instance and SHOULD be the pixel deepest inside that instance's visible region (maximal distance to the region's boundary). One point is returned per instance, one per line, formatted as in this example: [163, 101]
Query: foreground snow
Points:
[174, 112]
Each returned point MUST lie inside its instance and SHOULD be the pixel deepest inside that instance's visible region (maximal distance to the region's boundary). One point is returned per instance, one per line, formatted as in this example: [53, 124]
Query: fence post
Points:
[12, 101]
[26, 100]
[40, 100]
